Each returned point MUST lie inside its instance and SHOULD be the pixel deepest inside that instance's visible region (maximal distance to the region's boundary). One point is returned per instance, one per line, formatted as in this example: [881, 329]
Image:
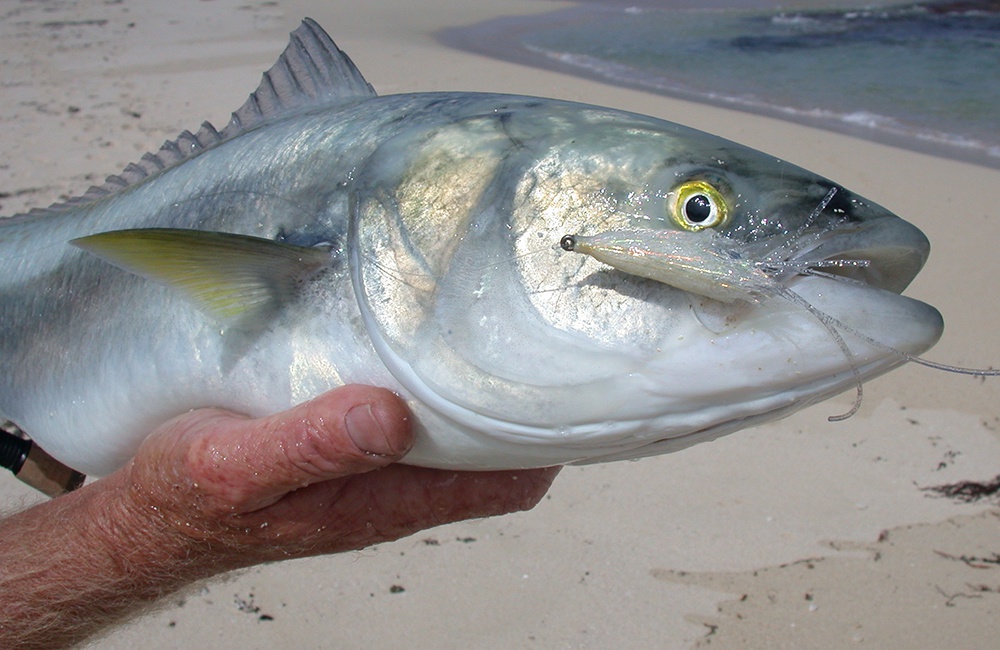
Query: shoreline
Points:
[500, 38]
[657, 553]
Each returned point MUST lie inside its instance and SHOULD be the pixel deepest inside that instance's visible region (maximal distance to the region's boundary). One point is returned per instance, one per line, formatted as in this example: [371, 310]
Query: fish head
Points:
[540, 356]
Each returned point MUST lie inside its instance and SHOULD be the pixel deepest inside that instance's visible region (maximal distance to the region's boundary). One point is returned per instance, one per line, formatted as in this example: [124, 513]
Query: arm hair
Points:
[63, 583]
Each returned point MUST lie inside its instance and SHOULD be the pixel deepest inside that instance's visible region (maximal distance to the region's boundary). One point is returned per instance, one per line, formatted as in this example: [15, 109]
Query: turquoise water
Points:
[925, 75]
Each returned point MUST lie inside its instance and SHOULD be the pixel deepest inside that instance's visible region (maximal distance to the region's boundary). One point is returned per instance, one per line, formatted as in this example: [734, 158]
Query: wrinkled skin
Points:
[212, 491]
[298, 483]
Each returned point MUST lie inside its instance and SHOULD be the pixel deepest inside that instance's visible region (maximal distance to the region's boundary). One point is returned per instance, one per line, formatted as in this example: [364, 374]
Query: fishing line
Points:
[714, 266]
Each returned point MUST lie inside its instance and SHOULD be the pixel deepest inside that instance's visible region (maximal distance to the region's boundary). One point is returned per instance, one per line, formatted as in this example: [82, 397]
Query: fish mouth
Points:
[890, 251]
[870, 302]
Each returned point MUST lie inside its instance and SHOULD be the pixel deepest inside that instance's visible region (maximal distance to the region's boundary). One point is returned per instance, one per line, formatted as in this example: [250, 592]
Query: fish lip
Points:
[894, 249]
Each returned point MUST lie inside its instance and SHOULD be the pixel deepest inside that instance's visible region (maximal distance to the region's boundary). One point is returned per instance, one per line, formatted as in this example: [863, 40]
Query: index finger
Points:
[240, 464]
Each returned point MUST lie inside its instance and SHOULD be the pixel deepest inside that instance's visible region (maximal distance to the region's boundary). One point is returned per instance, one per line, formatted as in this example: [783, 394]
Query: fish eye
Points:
[696, 205]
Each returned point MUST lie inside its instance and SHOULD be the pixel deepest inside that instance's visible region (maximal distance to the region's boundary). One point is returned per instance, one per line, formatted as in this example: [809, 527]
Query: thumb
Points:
[241, 465]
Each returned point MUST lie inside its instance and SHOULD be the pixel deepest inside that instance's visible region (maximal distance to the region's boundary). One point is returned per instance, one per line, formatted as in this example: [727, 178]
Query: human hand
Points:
[316, 479]
[212, 491]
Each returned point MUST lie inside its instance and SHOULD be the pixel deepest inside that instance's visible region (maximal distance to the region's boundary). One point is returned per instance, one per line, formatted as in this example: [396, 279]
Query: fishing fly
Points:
[706, 263]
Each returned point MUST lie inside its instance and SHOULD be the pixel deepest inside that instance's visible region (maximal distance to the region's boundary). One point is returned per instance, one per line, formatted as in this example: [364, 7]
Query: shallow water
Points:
[924, 75]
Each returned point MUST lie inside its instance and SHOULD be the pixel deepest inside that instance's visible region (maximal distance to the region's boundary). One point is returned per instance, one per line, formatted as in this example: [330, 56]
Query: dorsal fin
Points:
[312, 72]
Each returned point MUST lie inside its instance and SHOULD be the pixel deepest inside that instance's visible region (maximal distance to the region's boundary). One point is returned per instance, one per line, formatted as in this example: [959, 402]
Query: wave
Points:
[867, 120]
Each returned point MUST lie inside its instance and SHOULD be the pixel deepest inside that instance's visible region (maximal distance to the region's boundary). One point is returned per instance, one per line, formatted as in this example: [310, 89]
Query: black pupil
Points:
[698, 208]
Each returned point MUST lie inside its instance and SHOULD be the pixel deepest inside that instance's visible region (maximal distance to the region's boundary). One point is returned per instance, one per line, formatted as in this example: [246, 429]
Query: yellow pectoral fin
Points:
[233, 278]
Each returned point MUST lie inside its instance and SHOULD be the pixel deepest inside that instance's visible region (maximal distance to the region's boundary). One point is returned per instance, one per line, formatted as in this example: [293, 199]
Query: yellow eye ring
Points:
[696, 205]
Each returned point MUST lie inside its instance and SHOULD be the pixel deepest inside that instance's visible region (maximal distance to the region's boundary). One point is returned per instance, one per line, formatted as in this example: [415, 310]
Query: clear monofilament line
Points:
[828, 322]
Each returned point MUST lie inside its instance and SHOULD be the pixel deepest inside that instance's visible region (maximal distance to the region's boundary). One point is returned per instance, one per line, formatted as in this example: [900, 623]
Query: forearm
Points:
[79, 563]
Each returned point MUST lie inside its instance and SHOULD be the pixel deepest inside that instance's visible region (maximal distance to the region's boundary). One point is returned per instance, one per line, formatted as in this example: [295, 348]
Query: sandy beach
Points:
[799, 534]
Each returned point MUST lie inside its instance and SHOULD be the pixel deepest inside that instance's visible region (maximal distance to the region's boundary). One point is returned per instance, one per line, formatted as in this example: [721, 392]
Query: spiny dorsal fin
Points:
[312, 72]
[240, 281]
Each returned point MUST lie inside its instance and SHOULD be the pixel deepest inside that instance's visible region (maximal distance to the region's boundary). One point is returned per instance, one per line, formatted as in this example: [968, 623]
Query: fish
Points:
[329, 235]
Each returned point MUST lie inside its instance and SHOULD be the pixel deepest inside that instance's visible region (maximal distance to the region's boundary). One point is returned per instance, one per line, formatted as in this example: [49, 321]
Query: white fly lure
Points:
[707, 263]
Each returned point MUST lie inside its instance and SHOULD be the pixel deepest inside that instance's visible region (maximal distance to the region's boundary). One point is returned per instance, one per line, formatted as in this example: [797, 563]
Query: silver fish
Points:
[328, 236]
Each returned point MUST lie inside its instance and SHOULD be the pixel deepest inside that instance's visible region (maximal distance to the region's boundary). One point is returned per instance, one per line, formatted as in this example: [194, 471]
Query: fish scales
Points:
[412, 241]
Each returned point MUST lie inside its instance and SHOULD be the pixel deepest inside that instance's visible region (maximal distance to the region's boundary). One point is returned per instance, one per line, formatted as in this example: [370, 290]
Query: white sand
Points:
[657, 553]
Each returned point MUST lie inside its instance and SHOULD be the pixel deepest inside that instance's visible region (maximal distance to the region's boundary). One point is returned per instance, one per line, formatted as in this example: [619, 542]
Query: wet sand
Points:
[800, 534]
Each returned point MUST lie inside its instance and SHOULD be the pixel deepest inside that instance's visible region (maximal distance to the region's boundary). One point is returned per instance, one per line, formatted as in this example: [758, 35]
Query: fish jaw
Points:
[749, 364]
[777, 360]
[745, 396]
[894, 250]
[781, 351]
